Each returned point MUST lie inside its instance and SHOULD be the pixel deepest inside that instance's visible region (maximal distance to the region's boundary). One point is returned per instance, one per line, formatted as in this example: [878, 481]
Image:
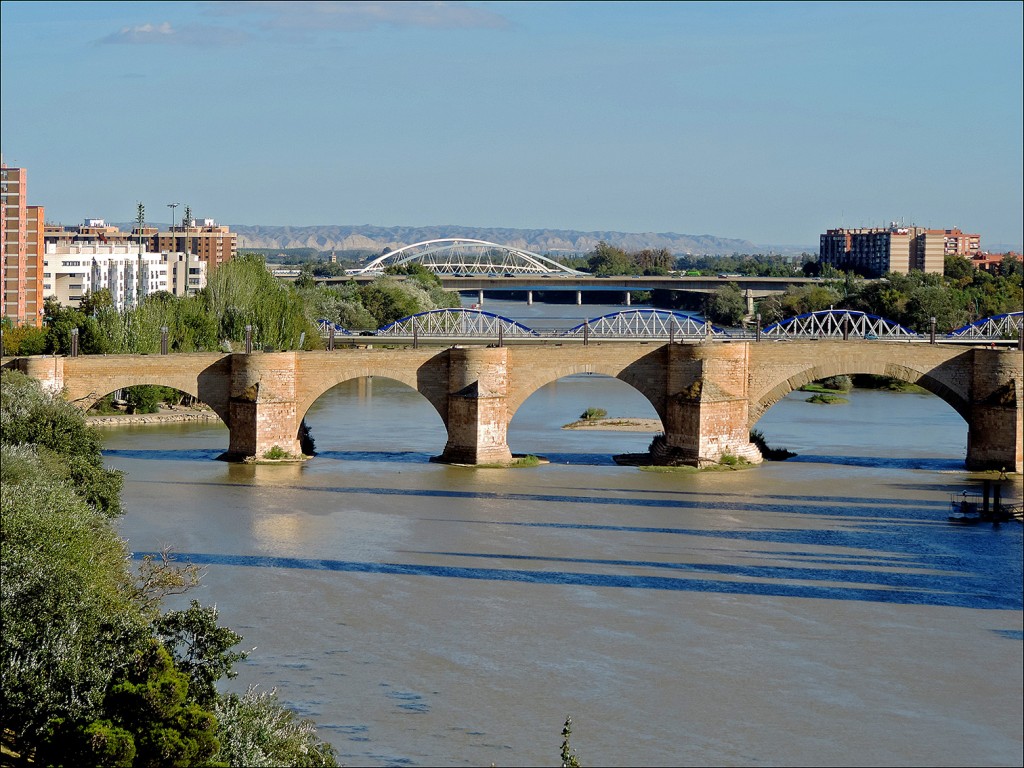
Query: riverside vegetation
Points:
[239, 294]
[93, 671]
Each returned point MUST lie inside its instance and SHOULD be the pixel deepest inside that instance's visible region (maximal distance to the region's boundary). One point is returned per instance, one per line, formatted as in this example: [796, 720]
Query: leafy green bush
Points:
[24, 340]
[594, 413]
[837, 383]
[823, 399]
[256, 730]
[58, 553]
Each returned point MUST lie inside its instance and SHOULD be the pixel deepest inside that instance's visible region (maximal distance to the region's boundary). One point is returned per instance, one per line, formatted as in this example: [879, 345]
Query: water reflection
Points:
[425, 614]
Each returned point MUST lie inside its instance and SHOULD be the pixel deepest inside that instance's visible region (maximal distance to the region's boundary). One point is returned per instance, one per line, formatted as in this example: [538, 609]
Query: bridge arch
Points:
[204, 376]
[455, 256]
[358, 398]
[643, 370]
[938, 375]
[536, 426]
[318, 372]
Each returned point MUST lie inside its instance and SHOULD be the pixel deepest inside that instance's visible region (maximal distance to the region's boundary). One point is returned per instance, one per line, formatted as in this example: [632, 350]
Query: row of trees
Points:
[239, 294]
[961, 295]
[93, 671]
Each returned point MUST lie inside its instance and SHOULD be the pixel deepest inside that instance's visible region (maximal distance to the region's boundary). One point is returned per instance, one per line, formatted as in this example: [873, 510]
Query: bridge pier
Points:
[707, 408]
[480, 297]
[996, 423]
[261, 408]
[477, 406]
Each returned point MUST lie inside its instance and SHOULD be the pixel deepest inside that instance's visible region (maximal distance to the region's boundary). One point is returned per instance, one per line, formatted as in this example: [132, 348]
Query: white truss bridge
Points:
[460, 257]
[837, 323]
[1006, 326]
[479, 324]
[460, 323]
[667, 325]
[645, 324]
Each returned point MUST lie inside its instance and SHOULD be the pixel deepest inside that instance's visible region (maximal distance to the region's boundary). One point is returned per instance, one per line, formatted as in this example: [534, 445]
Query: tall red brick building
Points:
[21, 235]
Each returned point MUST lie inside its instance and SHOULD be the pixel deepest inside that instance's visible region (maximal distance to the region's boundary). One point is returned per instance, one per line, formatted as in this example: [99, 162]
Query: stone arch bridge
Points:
[708, 395]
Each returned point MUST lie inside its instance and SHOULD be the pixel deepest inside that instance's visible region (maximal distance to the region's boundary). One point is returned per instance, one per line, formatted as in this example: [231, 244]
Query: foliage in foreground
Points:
[91, 673]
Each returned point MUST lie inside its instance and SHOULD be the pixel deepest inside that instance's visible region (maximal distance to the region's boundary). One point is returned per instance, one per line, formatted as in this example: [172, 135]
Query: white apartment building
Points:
[186, 273]
[71, 270]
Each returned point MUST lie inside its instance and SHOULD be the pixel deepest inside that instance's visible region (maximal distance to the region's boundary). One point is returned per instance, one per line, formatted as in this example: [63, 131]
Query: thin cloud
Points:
[165, 33]
[361, 15]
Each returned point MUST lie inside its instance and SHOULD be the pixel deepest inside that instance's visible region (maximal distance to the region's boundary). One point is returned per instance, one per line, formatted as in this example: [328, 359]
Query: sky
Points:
[765, 121]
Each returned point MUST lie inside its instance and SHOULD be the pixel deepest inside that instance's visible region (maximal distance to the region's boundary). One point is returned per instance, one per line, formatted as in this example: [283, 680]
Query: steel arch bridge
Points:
[838, 323]
[645, 324]
[1006, 326]
[460, 257]
[473, 323]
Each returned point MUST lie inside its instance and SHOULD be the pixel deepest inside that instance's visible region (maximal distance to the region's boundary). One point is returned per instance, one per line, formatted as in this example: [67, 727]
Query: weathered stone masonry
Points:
[708, 395]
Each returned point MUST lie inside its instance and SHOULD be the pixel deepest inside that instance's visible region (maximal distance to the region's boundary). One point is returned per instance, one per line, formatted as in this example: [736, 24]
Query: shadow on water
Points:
[398, 457]
[415, 457]
[838, 508]
[151, 454]
[882, 462]
[865, 500]
[867, 552]
[963, 582]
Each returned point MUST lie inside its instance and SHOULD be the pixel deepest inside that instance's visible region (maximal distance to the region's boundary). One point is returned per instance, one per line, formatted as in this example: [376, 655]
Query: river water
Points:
[815, 611]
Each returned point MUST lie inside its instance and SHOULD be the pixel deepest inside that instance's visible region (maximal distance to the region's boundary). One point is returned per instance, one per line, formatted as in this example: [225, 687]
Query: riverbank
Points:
[623, 424]
[166, 415]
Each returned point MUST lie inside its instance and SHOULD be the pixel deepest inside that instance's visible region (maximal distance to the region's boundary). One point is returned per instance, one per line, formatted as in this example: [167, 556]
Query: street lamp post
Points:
[172, 206]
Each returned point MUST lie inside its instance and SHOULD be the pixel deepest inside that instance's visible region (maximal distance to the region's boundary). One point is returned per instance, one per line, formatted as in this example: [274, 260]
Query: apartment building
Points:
[212, 244]
[874, 251]
[21, 230]
[73, 270]
[96, 256]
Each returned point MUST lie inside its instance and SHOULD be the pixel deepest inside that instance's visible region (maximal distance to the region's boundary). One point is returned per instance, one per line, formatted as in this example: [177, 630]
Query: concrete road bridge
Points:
[468, 265]
[708, 393]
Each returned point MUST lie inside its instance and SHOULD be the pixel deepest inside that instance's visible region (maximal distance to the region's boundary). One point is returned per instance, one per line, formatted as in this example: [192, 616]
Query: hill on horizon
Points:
[339, 237]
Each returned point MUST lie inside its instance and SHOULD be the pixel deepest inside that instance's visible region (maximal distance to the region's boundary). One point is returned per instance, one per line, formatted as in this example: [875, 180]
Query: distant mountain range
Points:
[370, 238]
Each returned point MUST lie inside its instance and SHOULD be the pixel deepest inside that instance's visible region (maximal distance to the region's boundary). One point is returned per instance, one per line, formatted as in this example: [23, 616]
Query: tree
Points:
[24, 340]
[606, 260]
[148, 720]
[1011, 267]
[389, 300]
[654, 262]
[726, 306]
[200, 648]
[57, 552]
[957, 269]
